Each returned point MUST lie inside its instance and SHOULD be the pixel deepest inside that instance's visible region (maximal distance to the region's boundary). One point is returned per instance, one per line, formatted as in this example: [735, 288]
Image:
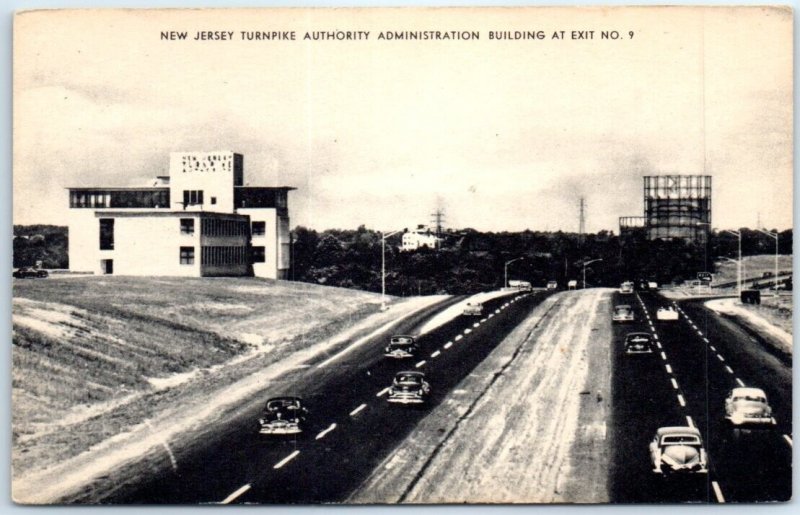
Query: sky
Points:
[501, 135]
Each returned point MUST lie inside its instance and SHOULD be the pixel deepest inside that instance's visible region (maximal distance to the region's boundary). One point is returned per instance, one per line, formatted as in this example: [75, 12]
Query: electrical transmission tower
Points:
[437, 220]
[582, 219]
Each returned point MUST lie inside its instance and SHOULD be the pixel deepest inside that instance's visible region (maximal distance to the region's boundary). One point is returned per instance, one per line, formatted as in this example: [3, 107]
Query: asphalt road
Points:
[700, 358]
[352, 427]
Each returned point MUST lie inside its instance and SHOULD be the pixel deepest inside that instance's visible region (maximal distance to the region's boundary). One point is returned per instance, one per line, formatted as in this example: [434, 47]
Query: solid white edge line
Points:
[420, 364]
[669, 368]
[448, 345]
[323, 433]
[436, 353]
[690, 421]
[681, 400]
[718, 492]
[729, 369]
[739, 382]
[286, 460]
[788, 440]
[382, 392]
[236, 494]
[674, 383]
[355, 411]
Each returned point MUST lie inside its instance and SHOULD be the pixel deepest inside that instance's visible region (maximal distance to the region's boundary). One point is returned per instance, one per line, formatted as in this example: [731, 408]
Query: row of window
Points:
[119, 199]
[215, 227]
[222, 255]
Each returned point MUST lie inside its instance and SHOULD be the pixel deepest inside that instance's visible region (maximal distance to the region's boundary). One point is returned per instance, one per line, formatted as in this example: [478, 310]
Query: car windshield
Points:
[402, 339]
[623, 309]
[399, 345]
[406, 379]
[282, 404]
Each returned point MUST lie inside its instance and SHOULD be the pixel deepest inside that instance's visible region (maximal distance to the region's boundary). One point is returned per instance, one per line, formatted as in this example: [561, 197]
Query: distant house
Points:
[420, 237]
[200, 220]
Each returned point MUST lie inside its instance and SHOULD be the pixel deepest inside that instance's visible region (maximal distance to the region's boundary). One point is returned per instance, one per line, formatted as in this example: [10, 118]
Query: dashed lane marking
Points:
[483, 320]
[436, 353]
[658, 344]
[739, 382]
[669, 368]
[323, 433]
[420, 364]
[236, 494]
[700, 332]
[358, 409]
[476, 324]
[788, 440]
[718, 492]
[490, 315]
[674, 383]
[713, 349]
[719, 357]
[288, 458]
[467, 331]
[681, 400]
[458, 337]
[448, 345]
[655, 336]
[497, 311]
[690, 421]
[729, 369]
[663, 356]
[382, 392]
[706, 340]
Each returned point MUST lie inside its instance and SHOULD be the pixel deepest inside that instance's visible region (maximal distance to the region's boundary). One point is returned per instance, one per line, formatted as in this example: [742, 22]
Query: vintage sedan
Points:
[28, 272]
[678, 450]
[667, 314]
[474, 309]
[623, 313]
[626, 288]
[409, 387]
[401, 346]
[638, 343]
[748, 408]
[283, 416]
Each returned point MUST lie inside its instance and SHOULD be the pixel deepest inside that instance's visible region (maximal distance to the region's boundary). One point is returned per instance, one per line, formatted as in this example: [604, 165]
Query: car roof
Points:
[678, 430]
[748, 392]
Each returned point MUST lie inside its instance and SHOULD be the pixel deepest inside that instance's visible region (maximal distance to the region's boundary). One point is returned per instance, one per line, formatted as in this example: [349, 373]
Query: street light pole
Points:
[505, 270]
[383, 267]
[585, 264]
[774, 235]
[738, 263]
[705, 251]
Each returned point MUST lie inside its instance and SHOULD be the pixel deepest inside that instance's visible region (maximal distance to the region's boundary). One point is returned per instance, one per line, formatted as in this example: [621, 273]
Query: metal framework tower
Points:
[437, 220]
[678, 206]
[582, 218]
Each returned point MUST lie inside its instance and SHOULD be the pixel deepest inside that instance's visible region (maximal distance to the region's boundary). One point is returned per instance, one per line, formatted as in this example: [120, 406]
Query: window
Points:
[192, 197]
[106, 234]
[259, 228]
[187, 225]
[187, 255]
[213, 200]
[258, 255]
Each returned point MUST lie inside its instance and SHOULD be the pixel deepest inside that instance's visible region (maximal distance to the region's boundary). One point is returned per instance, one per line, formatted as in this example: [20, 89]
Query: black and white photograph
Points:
[402, 256]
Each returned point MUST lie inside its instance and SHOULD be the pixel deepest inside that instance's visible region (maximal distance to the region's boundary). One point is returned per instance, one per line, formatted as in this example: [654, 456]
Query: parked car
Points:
[678, 450]
[638, 343]
[626, 287]
[283, 416]
[409, 387]
[473, 309]
[28, 272]
[401, 346]
[652, 285]
[748, 407]
[667, 314]
[623, 313]
[552, 285]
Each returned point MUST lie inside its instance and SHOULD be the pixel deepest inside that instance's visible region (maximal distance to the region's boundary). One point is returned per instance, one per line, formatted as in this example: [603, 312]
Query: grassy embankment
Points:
[94, 356]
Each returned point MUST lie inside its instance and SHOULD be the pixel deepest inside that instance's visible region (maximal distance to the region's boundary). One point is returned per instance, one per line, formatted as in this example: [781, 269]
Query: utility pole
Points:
[582, 219]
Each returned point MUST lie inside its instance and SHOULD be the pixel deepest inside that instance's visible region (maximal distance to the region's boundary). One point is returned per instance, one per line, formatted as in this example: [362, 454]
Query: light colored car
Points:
[552, 285]
[401, 346]
[409, 387]
[667, 314]
[474, 309]
[638, 343]
[572, 284]
[678, 450]
[652, 285]
[626, 288]
[623, 313]
[748, 407]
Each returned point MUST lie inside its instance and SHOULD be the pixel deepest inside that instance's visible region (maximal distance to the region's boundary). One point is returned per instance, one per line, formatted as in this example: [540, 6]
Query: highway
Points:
[698, 359]
[352, 427]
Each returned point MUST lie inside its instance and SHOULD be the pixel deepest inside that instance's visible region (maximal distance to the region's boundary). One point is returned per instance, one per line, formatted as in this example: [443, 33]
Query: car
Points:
[652, 285]
[409, 387]
[747, 408]
[28, 272]
[401, 346]
[572, 284]
[638, 343]
[678, 450]
[552, 285]
[623, 313]
[283, 416]
[473, 309]
[626, 288]
[667, 314]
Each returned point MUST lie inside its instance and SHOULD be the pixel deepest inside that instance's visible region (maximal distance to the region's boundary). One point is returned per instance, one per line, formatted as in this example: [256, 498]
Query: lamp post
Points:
[705, 251]
[774, 235]
[383, 266]
[505, 271]
[738, 263]
[585, 264]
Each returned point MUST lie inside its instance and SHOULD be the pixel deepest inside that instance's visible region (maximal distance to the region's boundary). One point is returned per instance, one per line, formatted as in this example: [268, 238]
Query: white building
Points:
[198, 221]
[420, 237]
